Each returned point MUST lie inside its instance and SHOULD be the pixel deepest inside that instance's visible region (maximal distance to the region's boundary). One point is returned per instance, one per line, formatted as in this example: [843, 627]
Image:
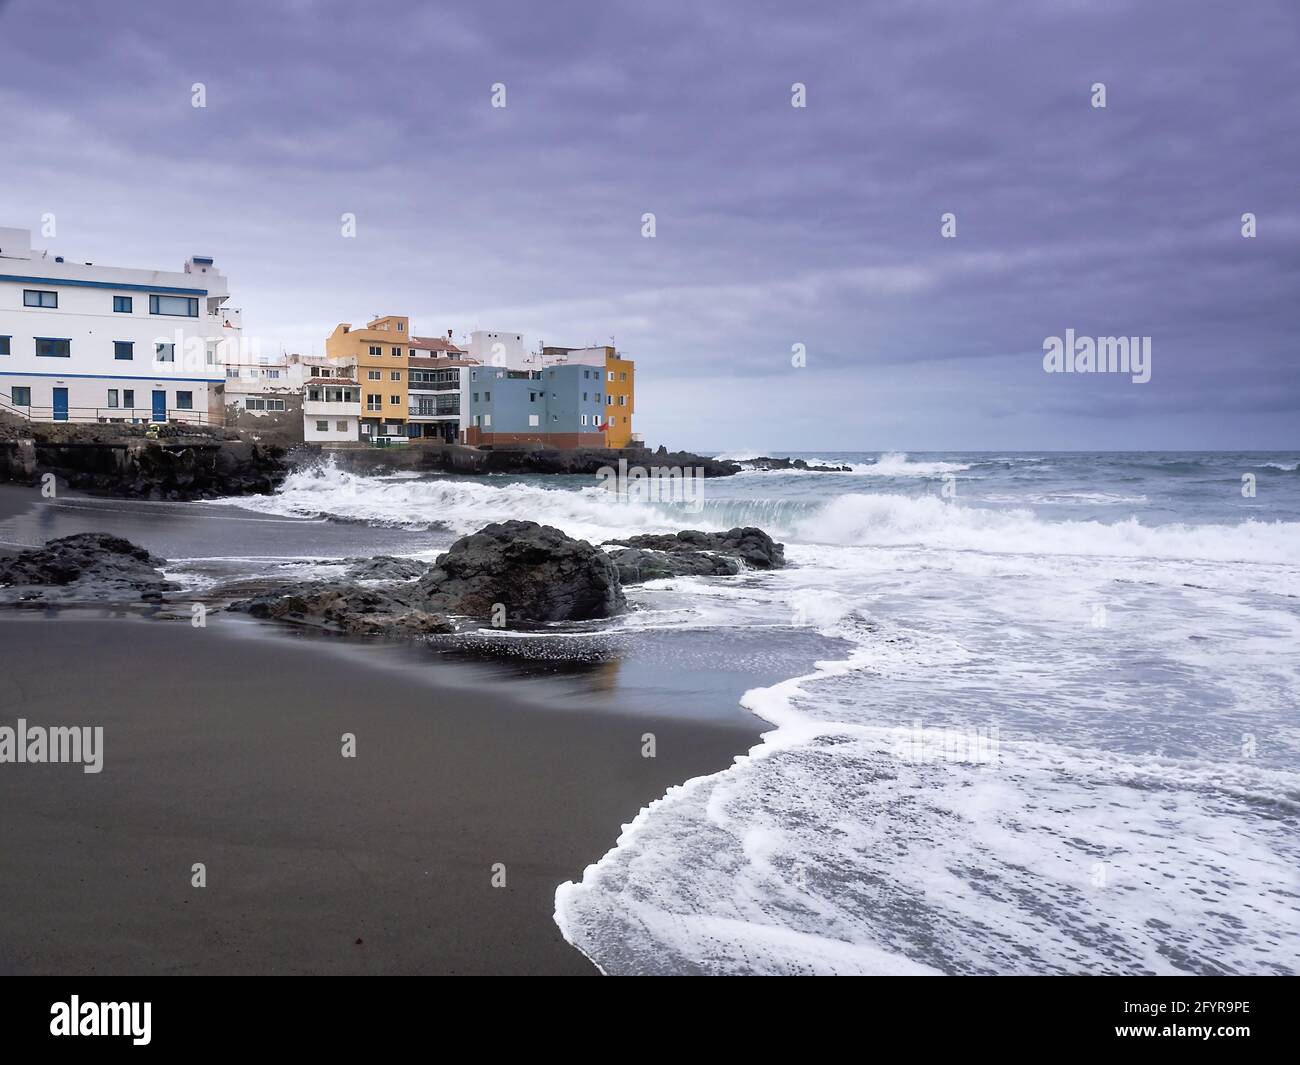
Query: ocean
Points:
[1025, 712]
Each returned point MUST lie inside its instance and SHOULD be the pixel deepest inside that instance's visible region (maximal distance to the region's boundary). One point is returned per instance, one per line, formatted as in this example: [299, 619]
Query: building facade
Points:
[331, 409]
[619, 375]
[561, 406]
[381, 354]
[87, 343]
[439, 405]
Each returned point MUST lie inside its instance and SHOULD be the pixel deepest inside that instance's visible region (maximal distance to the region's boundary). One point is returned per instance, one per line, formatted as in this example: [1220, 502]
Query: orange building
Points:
[381, 352]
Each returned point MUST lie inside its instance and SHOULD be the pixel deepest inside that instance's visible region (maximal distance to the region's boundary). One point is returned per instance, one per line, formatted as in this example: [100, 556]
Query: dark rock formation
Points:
[767, 464]
[84, 567]
[347, 608]
[536, 572]
[180, 462]
[636, 565]
[752, 546]
[386, 568]
[517, 458]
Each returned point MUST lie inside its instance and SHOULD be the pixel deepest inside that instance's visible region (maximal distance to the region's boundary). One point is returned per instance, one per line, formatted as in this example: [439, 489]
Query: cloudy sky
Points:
[775, 225]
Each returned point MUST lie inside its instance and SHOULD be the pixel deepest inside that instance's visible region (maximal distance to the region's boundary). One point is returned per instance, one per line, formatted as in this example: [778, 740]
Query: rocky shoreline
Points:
[515, 459]
[188, 462]
[766, 464]
[513, 574]
[172, 462]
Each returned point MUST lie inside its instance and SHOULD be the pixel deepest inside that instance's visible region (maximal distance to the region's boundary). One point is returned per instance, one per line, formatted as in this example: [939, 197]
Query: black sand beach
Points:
[225, 749]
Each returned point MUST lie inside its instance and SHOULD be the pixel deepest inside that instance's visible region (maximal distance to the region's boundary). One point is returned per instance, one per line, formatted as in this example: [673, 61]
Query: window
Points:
[622, 401]
[341, 427]
[36, 298]
[164, 353]
[4, 345]
[394, 399]
[20, 397]
[401, 327]
[53, 348]
[373, 402]
[534, 420]
[375, 349]
[128, 397]
[555, 417]
[397, 353]
[586, 373]
[608, 399]
[475, 397]
[373, 375]
[487, 419]
[487, 397]
[185, 400]
[613, 420]
[210, 353]
[411, 353]
[584, 419]
[112, 397]
[395, 375]
[473, 375]
[597, 397]
[178, 306]
[611, 375]
[122, 304]
[123, 349]
[322, 427]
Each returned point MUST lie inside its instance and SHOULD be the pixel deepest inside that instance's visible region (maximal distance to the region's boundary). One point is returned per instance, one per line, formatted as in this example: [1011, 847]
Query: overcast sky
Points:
[775, 225]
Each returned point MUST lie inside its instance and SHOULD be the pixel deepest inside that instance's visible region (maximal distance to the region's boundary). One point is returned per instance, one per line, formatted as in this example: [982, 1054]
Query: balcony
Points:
[226, 318]
[416, 410]
[318, 408]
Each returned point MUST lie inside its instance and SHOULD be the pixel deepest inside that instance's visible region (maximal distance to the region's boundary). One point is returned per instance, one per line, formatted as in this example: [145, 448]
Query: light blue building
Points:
[563, 406]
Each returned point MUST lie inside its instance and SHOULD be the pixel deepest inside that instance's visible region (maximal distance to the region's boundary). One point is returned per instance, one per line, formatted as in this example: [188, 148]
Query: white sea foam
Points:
[823, 851]
[883, 519]
[460, 504]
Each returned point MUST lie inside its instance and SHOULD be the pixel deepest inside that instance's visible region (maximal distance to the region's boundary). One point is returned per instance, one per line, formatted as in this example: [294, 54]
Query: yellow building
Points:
[381, 352]
[620, 398]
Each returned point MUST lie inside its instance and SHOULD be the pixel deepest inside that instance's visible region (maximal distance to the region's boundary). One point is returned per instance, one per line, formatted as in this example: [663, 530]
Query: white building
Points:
[504, 350]
[87, 343]
[263, 384]
[331, 409]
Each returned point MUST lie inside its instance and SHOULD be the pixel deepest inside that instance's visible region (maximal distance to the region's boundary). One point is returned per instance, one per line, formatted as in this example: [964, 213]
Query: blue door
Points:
[159, 406]
[60, 404]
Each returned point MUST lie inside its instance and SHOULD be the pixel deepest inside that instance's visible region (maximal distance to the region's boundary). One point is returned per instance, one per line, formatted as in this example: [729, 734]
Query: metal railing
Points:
[106, 415]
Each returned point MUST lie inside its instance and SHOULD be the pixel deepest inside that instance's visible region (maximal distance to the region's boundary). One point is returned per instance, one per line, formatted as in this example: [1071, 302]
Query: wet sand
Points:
[222, 745]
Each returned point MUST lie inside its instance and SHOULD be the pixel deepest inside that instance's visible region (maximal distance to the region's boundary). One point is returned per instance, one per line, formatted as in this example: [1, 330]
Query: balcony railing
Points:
[231, 316]
[108, 415]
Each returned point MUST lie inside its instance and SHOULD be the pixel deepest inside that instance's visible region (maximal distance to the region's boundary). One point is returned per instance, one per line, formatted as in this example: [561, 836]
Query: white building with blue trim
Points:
[87, 343]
